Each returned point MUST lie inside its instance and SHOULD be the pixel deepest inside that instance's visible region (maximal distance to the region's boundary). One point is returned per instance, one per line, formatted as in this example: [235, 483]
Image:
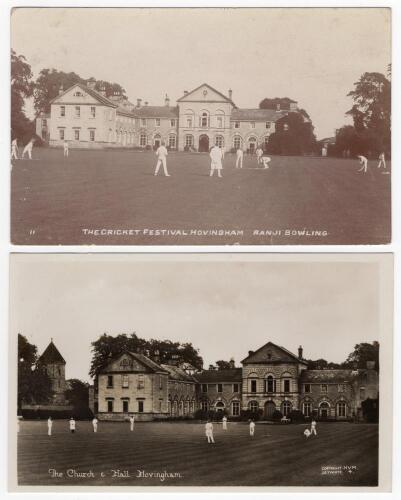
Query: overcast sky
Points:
[311, 55]
[223, 308]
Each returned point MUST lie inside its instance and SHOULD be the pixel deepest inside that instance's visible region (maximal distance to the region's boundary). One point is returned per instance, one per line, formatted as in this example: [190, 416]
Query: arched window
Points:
[204, 120]
[253, 406]
[252, 141]
[219, 141]
[270, 384]
[237, 142]
[285, 408]
[219, 406]
[143, 140]
[181, 408]
[342, 409]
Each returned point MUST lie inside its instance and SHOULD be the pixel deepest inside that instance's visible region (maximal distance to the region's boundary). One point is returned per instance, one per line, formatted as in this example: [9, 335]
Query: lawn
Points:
[54, 200]
[278, 455]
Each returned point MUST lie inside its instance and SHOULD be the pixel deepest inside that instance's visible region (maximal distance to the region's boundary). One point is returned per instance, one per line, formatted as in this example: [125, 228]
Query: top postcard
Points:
[200, 126]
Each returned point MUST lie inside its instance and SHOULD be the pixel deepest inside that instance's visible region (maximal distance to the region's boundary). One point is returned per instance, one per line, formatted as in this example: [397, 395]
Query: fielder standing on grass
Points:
[313, 427]
[209, 431]
[49, 426]
[364, 162]
[224, 423]
[66, 148]
[259, 153]
[161, 154]
[72, 425]
[14, 149]
[251, 427]
[382, 161]
[215, 164]
[94, 423]
[240, 158]
[28, 149]
[131, 422]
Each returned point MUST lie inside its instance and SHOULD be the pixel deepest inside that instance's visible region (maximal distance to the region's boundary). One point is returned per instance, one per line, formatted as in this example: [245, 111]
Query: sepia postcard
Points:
[193, 372]
[200, 126]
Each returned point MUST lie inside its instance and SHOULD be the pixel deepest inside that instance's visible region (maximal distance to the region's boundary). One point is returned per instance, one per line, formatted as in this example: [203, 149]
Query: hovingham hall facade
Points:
[271, 378]
[201, 118]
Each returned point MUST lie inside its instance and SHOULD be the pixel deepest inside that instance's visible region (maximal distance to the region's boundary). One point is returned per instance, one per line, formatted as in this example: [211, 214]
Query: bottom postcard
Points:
[190, 372]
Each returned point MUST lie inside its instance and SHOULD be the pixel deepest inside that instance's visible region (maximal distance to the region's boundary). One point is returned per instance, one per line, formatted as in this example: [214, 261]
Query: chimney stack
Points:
[61, 89]
[156, 356]
[102, 91]
[250, 353]
[278, 107]
[185, 92]
[300, 352]
[232, 363]
[167, 100]
[146, 103]
[230, 94]
[91, 83]
[138, 103]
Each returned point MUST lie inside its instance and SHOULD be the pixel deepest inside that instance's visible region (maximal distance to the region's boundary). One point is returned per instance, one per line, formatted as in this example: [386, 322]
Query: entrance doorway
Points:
[219, 407]
[252, 145]
[324, 410]
[203, 143]
[157, 141]
[270, 408]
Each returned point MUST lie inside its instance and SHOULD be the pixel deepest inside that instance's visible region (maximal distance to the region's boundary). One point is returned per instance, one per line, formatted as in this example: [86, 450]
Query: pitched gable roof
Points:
[140, 358]
[224, 97]
[272, 353]
[51, 355]
[93, 93]
[333, 376]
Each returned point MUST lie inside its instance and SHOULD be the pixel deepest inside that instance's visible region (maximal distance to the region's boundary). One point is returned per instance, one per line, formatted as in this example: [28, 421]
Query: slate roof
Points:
[156, 112]
[51, 355]
[265, 115]
[176, 373]
[329, 376]
[217, 376]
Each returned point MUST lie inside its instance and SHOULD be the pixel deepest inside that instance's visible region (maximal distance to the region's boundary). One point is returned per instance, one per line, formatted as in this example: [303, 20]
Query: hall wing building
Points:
[201, 118]
[271, 379]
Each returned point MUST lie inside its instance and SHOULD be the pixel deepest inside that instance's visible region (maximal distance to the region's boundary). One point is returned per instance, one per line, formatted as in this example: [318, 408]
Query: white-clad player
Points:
[240, 158]
[66, 148]
[251, 427]
[259, 153]
[28, 149]
[131, 422]
[94, 423]
[14, 149]
[265, 161]
[215, 164]
[161, 154]
[49, 426]
[224, 420]
[364, 162]
[382, 161]
[313, 427]
[209, 431]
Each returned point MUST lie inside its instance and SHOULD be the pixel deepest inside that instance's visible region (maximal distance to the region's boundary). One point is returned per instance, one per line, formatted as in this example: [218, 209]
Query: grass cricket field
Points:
[277, 455]
[298, 200]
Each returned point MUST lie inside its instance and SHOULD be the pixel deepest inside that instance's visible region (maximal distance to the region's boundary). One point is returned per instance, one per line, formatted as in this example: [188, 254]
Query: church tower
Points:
[54, 364]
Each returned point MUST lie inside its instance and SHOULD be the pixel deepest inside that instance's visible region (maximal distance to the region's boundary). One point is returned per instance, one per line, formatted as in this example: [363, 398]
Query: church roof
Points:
[265, 115]
[51, 355]
[215, 376]
[329, 376]
[156, 112]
